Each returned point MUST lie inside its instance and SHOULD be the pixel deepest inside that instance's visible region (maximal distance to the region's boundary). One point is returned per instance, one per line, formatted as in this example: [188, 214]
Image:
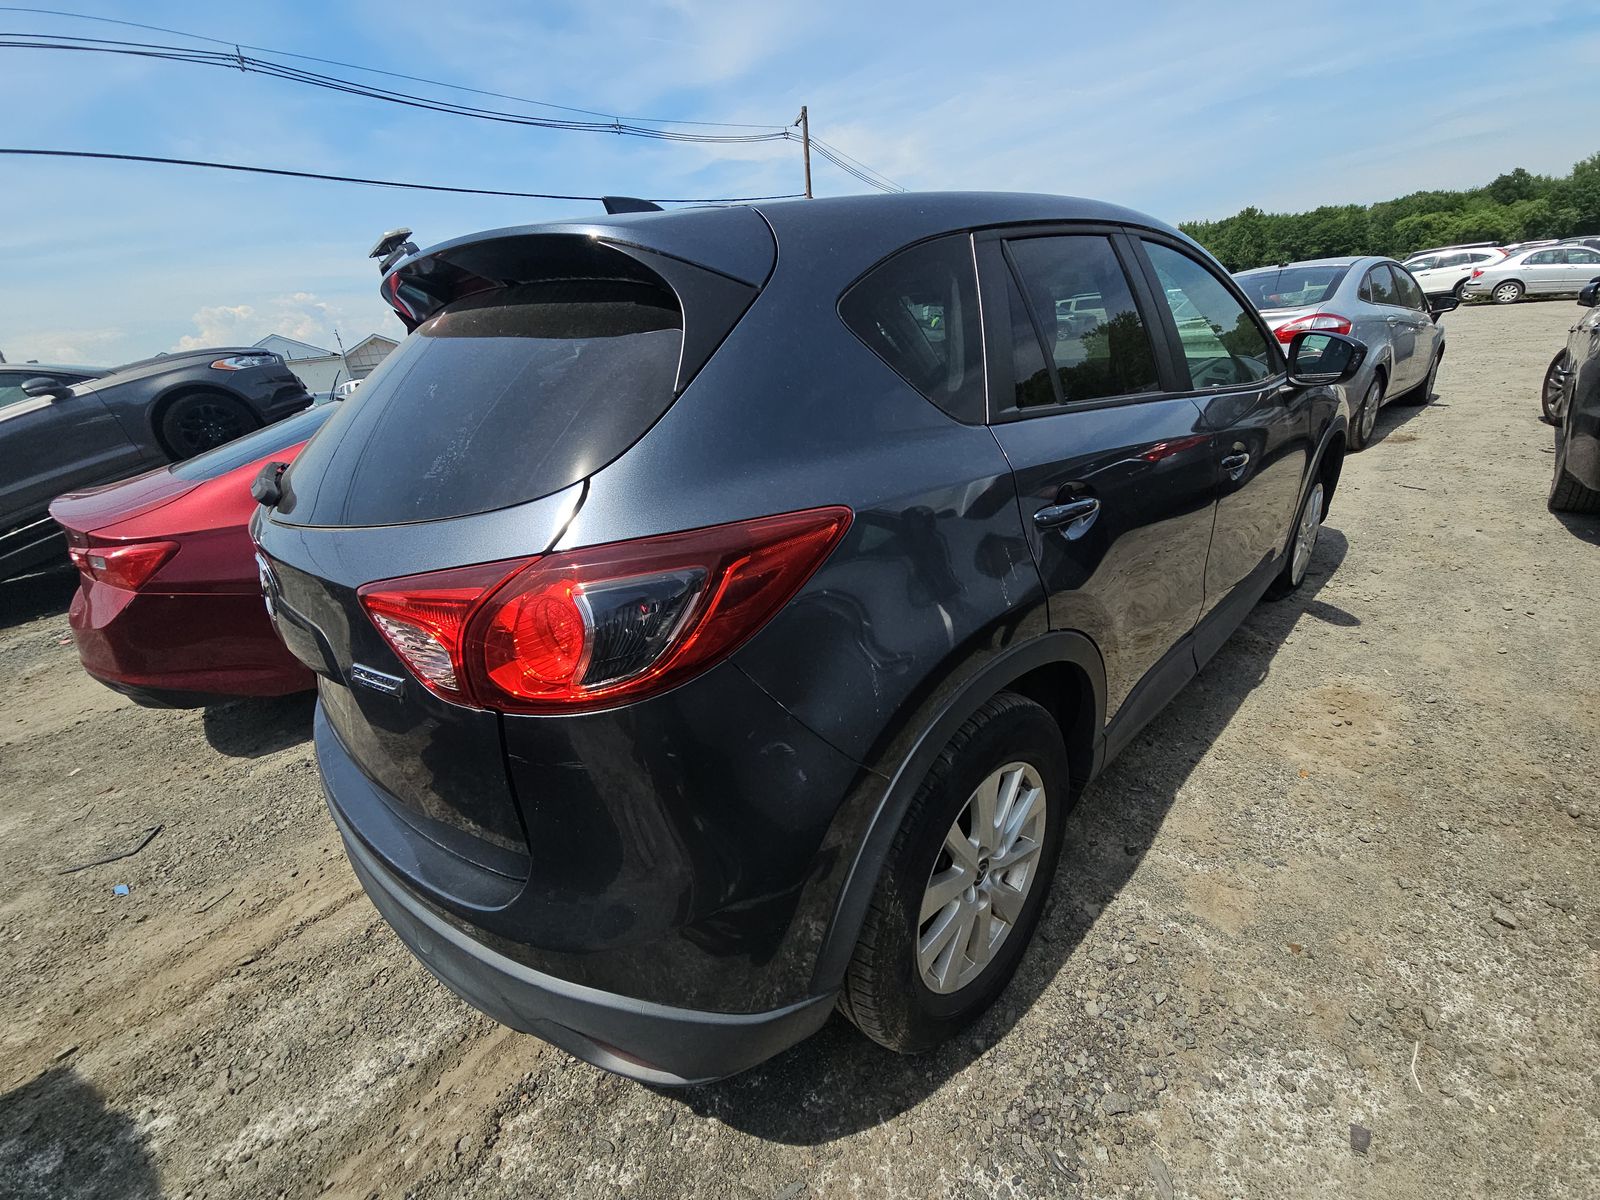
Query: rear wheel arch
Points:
[1060, 670]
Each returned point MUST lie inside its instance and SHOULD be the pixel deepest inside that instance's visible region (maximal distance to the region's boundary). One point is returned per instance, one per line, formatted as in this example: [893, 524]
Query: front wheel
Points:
[1460, 289]
[201, 421]
[1307, 528]
[1550, 391]
[1508, 292]
[965, 880]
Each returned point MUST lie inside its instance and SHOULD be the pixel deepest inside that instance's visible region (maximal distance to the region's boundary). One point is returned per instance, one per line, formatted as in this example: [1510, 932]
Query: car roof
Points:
[1346, 261]
[867, 227]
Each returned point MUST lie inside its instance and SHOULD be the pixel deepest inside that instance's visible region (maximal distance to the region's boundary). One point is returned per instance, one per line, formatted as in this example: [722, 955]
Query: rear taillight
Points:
[597, 626]
[122, 566]
[1326, 322]
[1476, 271]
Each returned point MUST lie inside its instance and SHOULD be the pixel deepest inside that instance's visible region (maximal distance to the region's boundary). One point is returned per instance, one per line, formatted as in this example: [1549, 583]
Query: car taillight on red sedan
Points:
[1326, 322]
[128, 566]
[591, 627]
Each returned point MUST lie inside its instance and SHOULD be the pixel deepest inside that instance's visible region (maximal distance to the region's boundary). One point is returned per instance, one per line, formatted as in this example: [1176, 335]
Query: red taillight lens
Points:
[122, 566]
[1476, 271]
[1325, 322]
[592, 627]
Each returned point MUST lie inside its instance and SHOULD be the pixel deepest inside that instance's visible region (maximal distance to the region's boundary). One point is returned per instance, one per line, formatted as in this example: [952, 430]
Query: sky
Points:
[1182, 110]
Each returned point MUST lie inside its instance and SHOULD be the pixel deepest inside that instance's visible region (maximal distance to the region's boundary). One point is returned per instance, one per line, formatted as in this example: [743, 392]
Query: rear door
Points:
[1262, 437]
[1113, 465]
[1425, 335]
[1397, 331]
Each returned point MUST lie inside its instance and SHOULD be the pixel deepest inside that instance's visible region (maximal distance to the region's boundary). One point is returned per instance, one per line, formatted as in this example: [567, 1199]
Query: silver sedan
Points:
[1373, 299]
[1544, 271]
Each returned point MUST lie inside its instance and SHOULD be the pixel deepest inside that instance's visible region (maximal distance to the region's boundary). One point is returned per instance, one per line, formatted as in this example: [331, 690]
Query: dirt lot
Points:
[1349, 879]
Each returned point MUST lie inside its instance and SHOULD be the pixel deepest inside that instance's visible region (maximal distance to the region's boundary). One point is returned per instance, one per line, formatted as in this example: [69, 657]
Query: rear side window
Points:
[1222, 341]
[1076, 295]
[290, 431]
[919, 313]
[500, 398]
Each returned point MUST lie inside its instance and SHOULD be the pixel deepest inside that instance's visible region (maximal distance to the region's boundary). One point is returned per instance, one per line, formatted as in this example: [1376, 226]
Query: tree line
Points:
[1516, 207]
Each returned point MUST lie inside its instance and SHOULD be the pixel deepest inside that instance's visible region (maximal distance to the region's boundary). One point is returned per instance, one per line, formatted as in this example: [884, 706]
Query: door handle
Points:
[1235, 464]
[1392, 320]
[1072, 518]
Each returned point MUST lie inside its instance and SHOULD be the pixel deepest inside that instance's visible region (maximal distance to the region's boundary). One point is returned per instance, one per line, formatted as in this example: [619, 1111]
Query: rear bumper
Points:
[181, 651]
[654, 1043]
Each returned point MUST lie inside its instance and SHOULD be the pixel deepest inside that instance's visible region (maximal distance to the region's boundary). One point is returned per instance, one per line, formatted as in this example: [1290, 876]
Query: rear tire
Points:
[1365, 419]
[1460, 289]
[947, 874]
[199, 421]
[1508, 292]
[1567, 493]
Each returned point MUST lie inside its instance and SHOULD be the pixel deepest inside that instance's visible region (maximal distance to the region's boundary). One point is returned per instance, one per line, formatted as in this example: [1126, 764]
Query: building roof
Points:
[290, 348]
[374, 339]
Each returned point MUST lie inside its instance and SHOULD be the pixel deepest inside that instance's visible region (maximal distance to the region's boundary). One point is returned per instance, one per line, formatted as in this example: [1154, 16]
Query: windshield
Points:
[230, 456]
[1291, 287]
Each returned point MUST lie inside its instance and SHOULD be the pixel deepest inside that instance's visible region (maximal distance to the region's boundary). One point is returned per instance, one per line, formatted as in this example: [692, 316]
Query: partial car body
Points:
[1558, 270]
[1572, 404]
[1445, 272]
[1373, 299]
[60, 433]
[689, 586]
[169, 609]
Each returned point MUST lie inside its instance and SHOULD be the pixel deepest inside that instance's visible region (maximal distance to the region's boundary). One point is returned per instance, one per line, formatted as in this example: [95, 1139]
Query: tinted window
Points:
[1409, 290]
[1028, 367]
[1584, 257]
[290, 431]
[1290, 287]
[1222, 341]
[1380, 286]
[11, 388]
[1428, 264]
[1074, 290]
[919, 313]
[500, 398]
[1540, 258]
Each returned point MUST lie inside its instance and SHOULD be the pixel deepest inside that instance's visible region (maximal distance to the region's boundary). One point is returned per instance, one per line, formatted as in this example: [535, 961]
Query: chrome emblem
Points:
[378, 681]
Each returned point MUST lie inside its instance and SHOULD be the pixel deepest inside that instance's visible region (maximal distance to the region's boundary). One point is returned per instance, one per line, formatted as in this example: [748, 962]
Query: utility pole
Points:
[805, 144]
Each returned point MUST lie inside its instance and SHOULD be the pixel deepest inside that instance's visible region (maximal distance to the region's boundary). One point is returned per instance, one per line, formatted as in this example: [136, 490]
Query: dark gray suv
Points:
[717, 611]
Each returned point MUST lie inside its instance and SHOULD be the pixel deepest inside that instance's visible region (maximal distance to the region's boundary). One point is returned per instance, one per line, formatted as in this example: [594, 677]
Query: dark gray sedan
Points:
[1375, 300]
[68, 428]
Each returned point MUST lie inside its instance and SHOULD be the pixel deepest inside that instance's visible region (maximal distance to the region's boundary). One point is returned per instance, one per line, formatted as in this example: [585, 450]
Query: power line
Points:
[878, 175]
[388, 183]
[247, 63]
[333, 62]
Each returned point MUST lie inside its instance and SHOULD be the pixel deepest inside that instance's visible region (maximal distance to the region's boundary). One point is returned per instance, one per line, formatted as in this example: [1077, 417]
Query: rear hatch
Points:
[524, 375]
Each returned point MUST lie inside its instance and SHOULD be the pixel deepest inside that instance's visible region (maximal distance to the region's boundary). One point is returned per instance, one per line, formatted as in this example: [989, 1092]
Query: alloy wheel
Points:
[1305, 537]
[1369, 410]
[206, 424]
[981, 877]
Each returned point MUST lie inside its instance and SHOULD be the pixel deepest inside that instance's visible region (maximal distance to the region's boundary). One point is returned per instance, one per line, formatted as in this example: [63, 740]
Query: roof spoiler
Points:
[628, 204]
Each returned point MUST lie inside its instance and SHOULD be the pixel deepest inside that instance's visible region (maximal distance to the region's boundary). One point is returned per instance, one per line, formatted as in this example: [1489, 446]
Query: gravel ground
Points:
[1328, 928]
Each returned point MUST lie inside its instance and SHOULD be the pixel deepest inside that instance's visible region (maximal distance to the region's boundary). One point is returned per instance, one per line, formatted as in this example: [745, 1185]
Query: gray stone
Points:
[1504, 917]
[1115, 1103]
[1159, 1175]
[1360, 1138]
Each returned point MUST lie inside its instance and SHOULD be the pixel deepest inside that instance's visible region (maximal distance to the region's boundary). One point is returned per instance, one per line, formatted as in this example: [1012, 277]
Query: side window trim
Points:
[1169, 324]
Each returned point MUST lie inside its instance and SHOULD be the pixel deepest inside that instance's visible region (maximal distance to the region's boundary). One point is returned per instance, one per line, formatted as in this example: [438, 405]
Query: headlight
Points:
[239, 362]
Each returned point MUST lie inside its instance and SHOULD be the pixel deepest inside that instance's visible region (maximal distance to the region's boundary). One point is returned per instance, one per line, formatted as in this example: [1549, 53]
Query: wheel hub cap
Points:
[981, 877]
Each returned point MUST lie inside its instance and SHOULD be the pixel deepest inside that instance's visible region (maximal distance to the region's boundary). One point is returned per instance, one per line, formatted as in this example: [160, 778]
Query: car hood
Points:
[95, 508]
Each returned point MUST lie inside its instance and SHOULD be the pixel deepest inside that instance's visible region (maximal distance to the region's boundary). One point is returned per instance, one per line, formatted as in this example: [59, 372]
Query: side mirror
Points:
[44, 386]
[1590, 296]
[1438, 305]
[1320, 358]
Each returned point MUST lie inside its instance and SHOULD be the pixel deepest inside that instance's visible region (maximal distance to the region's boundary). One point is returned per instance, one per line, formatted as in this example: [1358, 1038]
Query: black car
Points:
[1571, 402]
[64, 429]
[717, 611]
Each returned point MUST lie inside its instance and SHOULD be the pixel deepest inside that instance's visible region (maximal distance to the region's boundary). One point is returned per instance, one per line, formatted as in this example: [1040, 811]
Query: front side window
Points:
[11, 389]
[1410, 292]
[1074, 293]
[1428, 264]
[1222, 341]
[919, 313]
[1583, 257]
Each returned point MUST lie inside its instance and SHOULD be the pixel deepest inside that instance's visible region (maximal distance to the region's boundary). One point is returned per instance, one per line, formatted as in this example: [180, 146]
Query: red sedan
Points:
[168, 610]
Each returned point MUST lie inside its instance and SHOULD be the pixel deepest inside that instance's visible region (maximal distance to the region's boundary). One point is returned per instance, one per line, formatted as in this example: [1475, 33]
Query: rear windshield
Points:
[500, 398]
[1291, 287]
[290, 431]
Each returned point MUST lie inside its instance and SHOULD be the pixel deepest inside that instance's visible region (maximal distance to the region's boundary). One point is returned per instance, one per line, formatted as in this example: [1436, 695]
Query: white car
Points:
[1445, 272]
[1548, 271]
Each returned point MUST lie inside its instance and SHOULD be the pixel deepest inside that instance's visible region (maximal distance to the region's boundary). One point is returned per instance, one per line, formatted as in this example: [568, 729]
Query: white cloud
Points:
[300, 315]
[91, 346]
